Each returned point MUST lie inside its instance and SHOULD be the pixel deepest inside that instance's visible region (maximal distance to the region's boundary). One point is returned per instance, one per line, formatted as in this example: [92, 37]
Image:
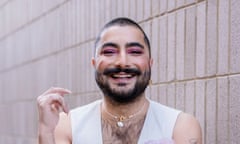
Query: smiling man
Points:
[124, 115]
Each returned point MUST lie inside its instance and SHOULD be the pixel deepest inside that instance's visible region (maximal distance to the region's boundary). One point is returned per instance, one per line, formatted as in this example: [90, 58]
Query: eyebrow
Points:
[110, 44]
[132, 44]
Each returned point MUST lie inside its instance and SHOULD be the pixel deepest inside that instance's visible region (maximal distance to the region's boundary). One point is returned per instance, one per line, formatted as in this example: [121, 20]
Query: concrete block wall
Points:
[195, 47]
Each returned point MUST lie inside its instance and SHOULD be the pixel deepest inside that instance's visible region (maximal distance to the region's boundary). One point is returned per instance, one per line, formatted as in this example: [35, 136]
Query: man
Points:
[124, 115]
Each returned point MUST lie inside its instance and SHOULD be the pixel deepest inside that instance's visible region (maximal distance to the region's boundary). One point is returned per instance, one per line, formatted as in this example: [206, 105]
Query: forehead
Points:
[122, 34]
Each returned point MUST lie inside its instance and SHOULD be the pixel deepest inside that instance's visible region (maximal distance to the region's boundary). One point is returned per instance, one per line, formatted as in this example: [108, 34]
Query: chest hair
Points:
[129, 134]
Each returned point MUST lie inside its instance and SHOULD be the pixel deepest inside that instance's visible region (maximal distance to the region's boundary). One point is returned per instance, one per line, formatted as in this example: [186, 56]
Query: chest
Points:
[128, 134]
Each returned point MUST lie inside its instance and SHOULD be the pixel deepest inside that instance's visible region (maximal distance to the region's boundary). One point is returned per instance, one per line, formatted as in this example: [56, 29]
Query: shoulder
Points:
[187, 129]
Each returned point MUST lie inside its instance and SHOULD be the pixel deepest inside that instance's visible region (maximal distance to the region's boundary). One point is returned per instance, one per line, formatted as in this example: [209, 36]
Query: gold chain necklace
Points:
[120, 119]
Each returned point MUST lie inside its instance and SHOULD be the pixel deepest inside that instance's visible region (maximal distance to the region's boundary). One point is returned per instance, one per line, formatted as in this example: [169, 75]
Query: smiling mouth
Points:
[122, 79]
[122, 76]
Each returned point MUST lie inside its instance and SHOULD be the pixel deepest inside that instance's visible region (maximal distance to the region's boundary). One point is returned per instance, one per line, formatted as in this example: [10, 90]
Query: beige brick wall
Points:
[195, 46]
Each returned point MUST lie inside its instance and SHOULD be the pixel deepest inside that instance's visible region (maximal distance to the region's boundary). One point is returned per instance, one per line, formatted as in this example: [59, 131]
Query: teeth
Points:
[122, 76]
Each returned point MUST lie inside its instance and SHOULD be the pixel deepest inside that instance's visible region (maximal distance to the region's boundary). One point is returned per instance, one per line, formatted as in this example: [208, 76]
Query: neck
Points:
[124, 109]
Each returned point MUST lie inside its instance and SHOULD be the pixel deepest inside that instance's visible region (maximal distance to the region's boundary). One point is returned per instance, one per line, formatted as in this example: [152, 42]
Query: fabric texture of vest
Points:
[158, 125]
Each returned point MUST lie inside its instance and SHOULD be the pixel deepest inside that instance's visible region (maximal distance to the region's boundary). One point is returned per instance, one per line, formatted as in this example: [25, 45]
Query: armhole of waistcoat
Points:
[175, 123]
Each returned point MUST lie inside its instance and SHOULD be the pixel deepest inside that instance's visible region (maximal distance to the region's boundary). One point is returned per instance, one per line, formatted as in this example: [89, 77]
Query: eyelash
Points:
[108, 51]
[135, 52]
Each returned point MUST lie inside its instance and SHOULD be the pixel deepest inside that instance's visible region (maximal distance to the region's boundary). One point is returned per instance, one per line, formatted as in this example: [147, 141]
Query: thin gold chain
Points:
[123, 118]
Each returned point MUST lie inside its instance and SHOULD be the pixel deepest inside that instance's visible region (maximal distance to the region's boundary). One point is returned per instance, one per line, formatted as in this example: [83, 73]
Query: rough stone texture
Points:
[235, 37]
[190, 97]
[162, 49]
[201, 40]
[211, 95]
[234, 107]
[211, 41]
[189, 66]
[171, 48]
[223, 39]
[222, 110]
[180, 39]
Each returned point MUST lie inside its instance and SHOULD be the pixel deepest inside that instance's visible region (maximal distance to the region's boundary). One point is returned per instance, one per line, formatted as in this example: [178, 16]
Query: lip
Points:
[119, 76]
[122, 78]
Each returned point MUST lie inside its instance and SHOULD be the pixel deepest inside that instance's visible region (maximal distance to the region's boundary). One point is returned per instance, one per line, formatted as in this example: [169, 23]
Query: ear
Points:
[151, 62]
[93, 62]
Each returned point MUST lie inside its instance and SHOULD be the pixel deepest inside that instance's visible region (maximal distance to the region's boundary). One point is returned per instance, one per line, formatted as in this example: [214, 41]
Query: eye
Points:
[108, 51]
[135, 51]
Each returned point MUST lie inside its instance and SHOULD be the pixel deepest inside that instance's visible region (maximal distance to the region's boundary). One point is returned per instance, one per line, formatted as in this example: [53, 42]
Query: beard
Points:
[123, 95]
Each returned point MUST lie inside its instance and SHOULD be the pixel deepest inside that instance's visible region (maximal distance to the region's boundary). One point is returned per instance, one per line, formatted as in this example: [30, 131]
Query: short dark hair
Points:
[123, 21]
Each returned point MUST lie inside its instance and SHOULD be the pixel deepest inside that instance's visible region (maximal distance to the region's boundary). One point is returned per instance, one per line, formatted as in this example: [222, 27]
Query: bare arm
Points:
[63, 131]
[51, 123]
[187, 130]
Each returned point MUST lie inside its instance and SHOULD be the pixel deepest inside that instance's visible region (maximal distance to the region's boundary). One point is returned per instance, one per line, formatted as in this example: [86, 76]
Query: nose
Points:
[122, 60]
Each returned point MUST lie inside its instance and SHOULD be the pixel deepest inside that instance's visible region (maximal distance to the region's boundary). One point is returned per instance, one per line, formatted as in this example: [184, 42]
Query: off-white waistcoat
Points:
[86, 124]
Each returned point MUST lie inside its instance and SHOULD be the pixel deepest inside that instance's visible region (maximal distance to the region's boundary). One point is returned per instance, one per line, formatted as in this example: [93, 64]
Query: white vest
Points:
[86, 124]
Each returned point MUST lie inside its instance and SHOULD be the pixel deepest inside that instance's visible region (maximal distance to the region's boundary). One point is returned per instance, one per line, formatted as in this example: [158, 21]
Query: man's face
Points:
[122, 63]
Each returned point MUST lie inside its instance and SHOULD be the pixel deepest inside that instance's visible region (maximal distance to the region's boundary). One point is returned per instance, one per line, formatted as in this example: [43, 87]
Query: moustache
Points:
[110, 71]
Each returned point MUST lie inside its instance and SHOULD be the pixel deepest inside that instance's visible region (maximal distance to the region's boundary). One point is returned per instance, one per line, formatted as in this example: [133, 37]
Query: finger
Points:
[56, 106]
[57, 101]
[54, 101]
[58, 90]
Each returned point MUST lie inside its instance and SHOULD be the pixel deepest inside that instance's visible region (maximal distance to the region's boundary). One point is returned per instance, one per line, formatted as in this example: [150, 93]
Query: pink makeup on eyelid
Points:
[135, 50]
[109, 50]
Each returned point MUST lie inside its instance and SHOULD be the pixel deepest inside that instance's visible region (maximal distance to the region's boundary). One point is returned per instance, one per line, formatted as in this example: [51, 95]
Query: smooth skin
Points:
[54, 121]
[55, 126]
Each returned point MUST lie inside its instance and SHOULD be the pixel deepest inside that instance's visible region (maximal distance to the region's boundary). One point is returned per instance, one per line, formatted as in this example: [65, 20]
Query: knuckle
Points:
[39, 98]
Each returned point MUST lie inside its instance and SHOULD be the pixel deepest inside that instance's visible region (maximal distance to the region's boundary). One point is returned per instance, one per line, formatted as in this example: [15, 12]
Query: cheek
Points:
[101, 64]
[143, 64]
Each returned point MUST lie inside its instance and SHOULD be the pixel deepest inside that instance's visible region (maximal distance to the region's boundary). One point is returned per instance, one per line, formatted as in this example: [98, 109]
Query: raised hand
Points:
[50, 104]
